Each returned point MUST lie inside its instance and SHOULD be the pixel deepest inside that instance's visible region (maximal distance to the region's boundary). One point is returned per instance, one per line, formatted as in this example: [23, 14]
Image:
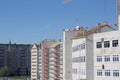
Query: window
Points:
[83, 58]
[99, 72]
[75, 48]
[107, 58]
[99, 58]
[74, 71]
[116, 73]
[83, 45]
[106, 44]
[107, 72]
[115, 43]
[99, 45]
[115, 57]
[78, 47]
[78, 59]
[82, 72]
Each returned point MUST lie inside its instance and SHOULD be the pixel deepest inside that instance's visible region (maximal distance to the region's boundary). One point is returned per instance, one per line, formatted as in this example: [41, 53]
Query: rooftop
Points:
[96, 29]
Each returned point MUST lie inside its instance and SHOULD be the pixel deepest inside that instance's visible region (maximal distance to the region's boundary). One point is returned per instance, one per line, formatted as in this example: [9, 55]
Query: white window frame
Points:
[99, 58]
[106, 44]
[116, 73]
[99, 45]
[115, 43]
[107, 58]
[107, 73]
[115, 58]
[99, 72]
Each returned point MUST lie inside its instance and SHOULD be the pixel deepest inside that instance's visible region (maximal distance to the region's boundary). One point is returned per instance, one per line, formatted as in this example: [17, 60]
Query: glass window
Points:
[115, 57]
[74, 71]
[99, 45]
[83, 45]
[82, 72]
[115, 43]
[83, 58]
[79, 47]
[106, 44]
[99, 72]
[76, 48]
[107, 72]
[116, 73]
[99, 58]
[107, 58]
[78, 59]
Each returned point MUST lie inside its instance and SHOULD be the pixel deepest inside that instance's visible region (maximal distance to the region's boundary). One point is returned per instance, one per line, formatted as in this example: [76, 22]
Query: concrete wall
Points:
[67, 53]
[89, 58]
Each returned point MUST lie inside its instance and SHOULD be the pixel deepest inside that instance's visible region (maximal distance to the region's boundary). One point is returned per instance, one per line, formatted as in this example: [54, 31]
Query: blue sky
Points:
[30, 21]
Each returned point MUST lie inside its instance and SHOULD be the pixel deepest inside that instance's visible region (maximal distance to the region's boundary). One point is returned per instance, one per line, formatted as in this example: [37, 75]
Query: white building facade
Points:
[107, 56]
[36, 63]
[79, 59]
[84, 53]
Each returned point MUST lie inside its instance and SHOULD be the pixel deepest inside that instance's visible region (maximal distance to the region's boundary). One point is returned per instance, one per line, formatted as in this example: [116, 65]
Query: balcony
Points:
[46, 57]
[45, 65]
[45, 61]
[45, 69]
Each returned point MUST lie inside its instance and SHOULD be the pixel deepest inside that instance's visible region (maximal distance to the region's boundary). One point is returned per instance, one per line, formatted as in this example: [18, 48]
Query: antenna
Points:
[105, 9]
[118, 11]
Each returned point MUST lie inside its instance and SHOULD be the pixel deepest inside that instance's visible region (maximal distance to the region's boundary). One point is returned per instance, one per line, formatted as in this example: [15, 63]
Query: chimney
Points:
[81, 28]
[99, 27]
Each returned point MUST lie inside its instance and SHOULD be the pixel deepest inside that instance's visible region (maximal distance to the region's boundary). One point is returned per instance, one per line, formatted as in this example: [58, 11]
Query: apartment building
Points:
[55, 54]
[3, 56]
[45, 61]
[61, 61]
[16, 57]
[35, 75]
[45, 55]
[82, 52]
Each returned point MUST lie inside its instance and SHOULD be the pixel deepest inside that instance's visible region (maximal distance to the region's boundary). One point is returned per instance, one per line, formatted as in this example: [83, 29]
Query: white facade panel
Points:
[107, 67]
[79, 66]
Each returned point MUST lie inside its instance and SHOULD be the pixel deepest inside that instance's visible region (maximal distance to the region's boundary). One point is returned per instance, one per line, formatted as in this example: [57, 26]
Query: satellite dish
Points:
[77, 27]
